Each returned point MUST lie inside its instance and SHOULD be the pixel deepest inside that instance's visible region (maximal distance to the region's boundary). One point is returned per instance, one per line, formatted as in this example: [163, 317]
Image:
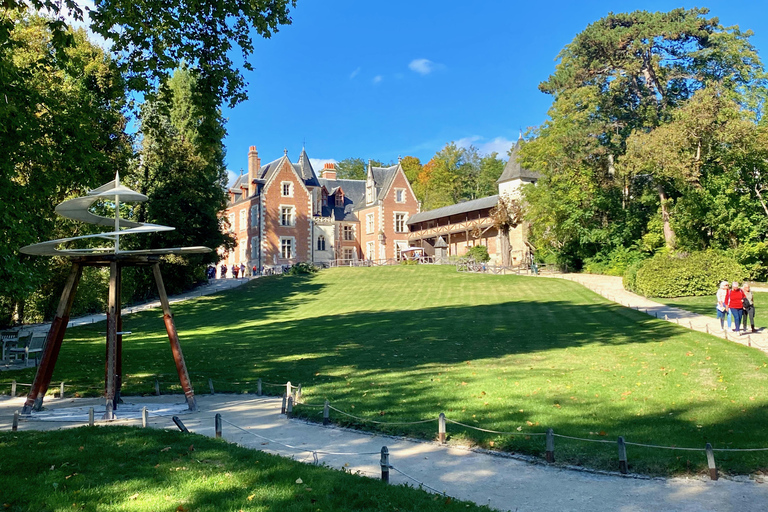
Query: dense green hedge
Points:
[678, 275]
[479, 253]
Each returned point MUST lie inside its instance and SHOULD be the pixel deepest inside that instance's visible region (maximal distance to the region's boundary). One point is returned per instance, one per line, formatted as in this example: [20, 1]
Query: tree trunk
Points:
[669, 234]
[505, 245]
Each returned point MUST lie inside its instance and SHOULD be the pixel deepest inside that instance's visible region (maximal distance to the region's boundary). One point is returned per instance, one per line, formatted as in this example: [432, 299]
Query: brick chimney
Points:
[254, 164]
[329, 171]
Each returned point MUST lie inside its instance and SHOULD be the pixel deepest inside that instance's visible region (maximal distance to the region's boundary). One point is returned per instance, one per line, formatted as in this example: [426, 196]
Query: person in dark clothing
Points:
[749, 307]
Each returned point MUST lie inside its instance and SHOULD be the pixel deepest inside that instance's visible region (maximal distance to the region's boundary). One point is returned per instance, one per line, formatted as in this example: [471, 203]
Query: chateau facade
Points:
[281, 213]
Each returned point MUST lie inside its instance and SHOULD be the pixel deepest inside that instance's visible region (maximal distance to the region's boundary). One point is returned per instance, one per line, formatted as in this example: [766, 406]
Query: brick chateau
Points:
[282, 213]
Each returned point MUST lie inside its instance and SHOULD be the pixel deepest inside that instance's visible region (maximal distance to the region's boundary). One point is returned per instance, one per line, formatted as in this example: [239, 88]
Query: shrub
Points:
[685, 275]
[754, 258]
[615, 263]
[479, 253]
[630, 276]
[302, 268]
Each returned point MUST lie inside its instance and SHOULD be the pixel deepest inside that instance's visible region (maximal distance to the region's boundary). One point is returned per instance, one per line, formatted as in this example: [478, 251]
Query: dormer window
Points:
[339, 198]
[369, 192]
[325, 198]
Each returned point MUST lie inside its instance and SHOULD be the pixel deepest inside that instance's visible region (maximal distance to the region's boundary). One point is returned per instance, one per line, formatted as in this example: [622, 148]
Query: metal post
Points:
[326, 413]
[441, 428]
[90, 417]
[711, 462]
[61, 390]
[384, 464]
[217, 425]
[622, 456]
[13, 389]
[179, 424]
[144, 417]
[550, 453]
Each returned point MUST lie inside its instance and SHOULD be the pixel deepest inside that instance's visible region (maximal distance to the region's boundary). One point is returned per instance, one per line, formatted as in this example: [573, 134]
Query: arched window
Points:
[321, 243]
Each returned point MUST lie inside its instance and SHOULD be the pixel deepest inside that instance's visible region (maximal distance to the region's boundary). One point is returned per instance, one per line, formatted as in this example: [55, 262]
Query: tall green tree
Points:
[182, 172]
[62, 133]
[627, 73]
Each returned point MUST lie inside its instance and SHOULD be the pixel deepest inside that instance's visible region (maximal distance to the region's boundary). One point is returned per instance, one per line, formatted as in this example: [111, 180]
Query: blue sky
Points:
[374, 79]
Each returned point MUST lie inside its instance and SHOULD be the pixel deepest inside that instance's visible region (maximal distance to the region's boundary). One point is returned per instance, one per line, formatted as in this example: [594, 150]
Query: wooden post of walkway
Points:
[258, 387]
[326, 413]
[217, 425]
[53, 343]
[622, 456]
[441, 428]
[384, 464]
[173, 337]
[110, 387]
[711, 462]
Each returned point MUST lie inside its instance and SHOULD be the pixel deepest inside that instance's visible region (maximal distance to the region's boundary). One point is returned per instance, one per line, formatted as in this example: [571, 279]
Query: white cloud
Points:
[499, 144]
[354, 73]
[319, 163]
[86, 6]
[424, 66]
[377, 79]
[231, 177]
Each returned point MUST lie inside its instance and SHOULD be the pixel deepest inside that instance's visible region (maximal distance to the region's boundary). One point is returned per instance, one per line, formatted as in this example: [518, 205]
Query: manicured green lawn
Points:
[706, 306]
[130, 469]
[508, 353]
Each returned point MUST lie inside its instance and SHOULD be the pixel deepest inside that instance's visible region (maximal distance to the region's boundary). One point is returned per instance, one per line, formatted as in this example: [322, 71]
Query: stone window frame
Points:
[405, 221]
[370, 223]
[348, 229]
[321, 243]
[402, 192]
[290, 242]
[289, 191]
[291, 215]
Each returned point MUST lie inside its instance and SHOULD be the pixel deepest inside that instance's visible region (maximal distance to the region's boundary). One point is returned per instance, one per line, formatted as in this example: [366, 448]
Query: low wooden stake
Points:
[666, 317]
[690, 324]
[157, 387]
[622, 456]
[13, 388]
[289, 408]
[550, 453]
[706, 328]
[384, 464]
[90, 417]
[15, 425]
[288, 391]
[282, 408]
[326, 413]
[179, 424]
[217, 425]
[258, 387]
[210, 385]
[144, 417]
[61, 390]
[711, 462]
[441, 428]
[298, 394]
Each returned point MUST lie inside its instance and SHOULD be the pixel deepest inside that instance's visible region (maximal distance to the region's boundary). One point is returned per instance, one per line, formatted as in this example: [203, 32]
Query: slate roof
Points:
[305, 170]
[455, 209]
[354, 195]
[513, 170]
[383, 178]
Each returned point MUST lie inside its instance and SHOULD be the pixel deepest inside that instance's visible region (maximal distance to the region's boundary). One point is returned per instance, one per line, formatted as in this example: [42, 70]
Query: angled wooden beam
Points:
[173, 337]
[110, 389]
[53, 342]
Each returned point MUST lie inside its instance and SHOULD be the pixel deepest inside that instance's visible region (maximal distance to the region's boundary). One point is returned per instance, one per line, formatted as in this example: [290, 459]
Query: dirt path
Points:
[504, 483]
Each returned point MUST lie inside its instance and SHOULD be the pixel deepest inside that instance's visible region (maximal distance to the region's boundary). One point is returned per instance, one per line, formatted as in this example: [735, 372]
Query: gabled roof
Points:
[513, 170]
[455, 209]
[354, 195]
[383, 178]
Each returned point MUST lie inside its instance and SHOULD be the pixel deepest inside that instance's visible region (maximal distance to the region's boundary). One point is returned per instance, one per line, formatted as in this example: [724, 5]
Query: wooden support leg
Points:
[114, 305]
[53, 343]
[178, 357]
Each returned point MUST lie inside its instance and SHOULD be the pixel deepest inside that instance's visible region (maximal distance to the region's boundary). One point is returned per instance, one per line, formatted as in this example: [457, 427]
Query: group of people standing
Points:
[737, 305]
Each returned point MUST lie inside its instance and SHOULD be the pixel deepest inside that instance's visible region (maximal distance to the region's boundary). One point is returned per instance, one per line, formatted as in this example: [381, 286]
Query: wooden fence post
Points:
[90, 417]
[288, 391]
[217, 425]
[711, 462]
[13, 388]
[749, 340]
[289, 408]
[15, 425]
[298, 393]
[622, 456]
[144, 417]
[550, 453]
[157, 387]
[326, 413]
[441, 428]
[384, 464]
[61, 390]
[666, 317]
[258, 387]
[282, 408]
[706, 328]
[210, 385]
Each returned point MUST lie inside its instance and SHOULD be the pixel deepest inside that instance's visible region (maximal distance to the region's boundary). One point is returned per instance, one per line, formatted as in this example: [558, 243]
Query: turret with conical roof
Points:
[515, 175]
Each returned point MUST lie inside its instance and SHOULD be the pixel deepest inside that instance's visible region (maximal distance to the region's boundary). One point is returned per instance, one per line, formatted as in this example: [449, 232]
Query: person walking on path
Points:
[735, 305]
[722, 308]
[748, 304]
[242, 269]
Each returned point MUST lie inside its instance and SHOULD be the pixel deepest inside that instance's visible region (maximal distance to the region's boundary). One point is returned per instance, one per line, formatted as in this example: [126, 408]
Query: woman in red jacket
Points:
[735, 305]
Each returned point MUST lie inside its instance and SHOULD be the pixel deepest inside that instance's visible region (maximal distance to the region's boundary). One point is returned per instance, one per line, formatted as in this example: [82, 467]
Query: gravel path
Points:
[502, 482]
